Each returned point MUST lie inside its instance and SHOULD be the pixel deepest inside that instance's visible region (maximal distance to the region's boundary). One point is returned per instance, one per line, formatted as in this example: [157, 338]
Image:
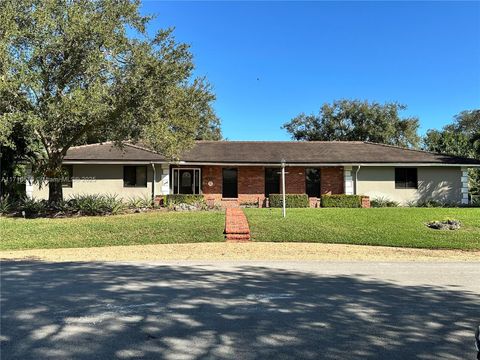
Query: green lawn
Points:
[146, 228]
[387, 226]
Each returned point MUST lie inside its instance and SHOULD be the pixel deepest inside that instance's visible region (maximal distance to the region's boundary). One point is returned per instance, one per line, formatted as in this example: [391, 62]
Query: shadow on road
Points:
[106, 310]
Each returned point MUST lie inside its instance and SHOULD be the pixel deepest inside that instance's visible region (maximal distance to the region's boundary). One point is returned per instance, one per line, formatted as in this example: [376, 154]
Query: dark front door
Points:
[186, 182]
[312, 182]
[230, 183]
[272, 181]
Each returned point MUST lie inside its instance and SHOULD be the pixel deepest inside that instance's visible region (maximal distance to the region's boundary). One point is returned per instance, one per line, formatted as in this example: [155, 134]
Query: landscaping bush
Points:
[382, 202]
[341, 201]
[139, 202]
[291, 200]
[96, 204]
[249, 204]
[189, 199]
[112, 204]
[32, 207]
[5, 205]
[475, 201]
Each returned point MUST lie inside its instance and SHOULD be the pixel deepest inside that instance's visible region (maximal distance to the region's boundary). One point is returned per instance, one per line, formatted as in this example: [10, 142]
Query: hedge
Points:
[292, 200]
[183, 199]
[341, 201]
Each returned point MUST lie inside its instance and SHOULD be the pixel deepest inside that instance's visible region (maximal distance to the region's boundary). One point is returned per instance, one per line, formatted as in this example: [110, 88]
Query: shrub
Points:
[5, 205]
[139, 202]
[475, 201]
[32, 207]
[291, 200]
[249, 204]
[62, 207]
[87, 204]
[382, 202]
[112, 204]
[341, 201]
[96, 204]
[189, 199]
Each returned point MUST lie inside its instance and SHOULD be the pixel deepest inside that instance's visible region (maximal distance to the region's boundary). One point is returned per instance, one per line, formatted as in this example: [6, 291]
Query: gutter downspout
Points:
[153, 182]
[356, 178]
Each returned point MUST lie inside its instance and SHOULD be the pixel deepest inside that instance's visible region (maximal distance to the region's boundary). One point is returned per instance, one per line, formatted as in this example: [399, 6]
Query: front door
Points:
[230, 183]
[312, 182]
[272, 181]
[186, 182]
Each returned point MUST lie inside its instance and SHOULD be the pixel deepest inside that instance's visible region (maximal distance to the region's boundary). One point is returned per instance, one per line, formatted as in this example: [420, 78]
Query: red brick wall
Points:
[331, 181]
[212, 174]
[294, 180]
[251, 182]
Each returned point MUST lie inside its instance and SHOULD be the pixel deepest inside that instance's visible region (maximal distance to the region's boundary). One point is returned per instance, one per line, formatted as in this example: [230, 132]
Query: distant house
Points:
[232, 172]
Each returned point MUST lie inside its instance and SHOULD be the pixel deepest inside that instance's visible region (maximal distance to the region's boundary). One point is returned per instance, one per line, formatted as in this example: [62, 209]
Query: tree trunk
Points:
[55, 192]
[54, 172]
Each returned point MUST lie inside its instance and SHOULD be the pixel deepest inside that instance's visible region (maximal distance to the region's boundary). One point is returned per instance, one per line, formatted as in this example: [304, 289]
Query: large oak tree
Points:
[355, 120]
[461, 138]
[71, 71]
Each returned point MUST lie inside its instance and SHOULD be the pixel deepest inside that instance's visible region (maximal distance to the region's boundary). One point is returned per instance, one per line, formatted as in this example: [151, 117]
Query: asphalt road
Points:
[248, 310]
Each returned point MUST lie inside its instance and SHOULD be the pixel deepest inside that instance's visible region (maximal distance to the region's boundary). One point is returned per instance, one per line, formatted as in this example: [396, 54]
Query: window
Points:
[406, 178]
[186, 181]
[272, 181]
[67, 175]
[312, 182]
[135, 176]
[230, 183]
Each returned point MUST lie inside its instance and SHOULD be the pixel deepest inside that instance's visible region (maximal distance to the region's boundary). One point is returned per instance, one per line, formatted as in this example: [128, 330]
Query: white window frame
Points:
[194, 183]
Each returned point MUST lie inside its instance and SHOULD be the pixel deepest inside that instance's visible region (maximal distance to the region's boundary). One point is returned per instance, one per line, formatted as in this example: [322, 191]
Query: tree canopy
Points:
[70, 73]
[461, 138]
[355, 120]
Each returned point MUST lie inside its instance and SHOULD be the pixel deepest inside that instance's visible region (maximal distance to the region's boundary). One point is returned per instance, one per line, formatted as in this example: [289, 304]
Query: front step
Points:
[236, 225]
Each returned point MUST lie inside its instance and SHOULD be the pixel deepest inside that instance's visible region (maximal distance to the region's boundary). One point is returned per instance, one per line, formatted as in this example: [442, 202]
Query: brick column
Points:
[348, 180]
[464, 190]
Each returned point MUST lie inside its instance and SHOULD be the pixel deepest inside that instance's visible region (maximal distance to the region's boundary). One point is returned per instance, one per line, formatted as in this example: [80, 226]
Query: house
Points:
[235, 172]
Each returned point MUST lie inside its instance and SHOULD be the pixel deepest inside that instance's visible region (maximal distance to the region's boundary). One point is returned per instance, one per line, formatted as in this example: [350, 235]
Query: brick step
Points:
[237, 230]
[236, 225]
[237, 237]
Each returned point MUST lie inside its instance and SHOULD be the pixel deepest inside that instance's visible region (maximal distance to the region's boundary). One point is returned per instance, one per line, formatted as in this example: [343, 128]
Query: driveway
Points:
[239, 310]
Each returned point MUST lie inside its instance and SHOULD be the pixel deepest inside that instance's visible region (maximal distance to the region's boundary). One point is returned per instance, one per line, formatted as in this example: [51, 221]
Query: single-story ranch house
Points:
[235, 172]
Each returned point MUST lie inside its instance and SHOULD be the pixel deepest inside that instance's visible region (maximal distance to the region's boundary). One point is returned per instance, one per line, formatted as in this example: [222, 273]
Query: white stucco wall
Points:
[105, 179]
[442, 184]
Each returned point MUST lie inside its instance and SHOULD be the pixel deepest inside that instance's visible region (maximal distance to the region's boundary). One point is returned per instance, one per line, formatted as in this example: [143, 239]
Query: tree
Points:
[14, 151]
[461, 138]
[70, 73]
[355, 120]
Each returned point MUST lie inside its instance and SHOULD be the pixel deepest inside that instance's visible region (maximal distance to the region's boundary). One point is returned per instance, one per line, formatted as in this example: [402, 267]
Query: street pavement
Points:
[239, 310]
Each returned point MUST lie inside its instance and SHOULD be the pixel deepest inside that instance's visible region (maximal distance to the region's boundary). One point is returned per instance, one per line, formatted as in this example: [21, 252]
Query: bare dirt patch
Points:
[242, 251]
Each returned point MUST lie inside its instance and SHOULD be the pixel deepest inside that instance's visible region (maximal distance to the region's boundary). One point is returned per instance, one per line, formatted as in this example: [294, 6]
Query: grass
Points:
[403, 227]
[133, 229]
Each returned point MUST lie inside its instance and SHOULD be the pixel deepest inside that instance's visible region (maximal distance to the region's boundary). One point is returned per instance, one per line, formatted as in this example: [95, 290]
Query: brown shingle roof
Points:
[319, 152]
[109, 152]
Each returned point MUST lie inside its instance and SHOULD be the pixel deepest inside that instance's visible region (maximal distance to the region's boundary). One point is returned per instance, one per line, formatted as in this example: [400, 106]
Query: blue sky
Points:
[269, 61]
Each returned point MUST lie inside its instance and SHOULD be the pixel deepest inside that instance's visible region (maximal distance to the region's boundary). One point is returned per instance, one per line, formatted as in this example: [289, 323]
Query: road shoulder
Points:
[239, 251]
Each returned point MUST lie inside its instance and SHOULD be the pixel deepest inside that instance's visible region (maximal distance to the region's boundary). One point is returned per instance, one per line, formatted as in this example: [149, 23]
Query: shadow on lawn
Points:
[105, 311]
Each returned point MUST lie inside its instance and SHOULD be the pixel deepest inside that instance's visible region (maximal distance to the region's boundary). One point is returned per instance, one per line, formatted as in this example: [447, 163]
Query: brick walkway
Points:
[236, 225]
